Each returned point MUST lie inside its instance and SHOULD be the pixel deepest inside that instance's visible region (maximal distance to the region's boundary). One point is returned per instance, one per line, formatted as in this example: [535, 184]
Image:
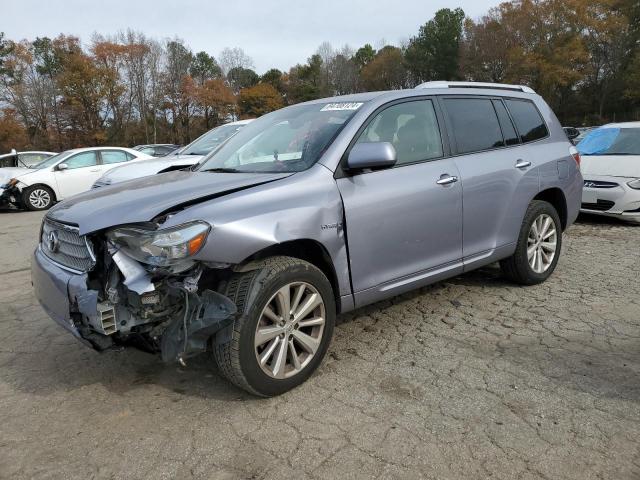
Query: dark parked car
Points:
[307, 212]
[157, 149]
[572, 133]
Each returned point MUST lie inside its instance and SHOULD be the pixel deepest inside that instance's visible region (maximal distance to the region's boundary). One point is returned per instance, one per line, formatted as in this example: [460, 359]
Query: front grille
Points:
[599, 184]
[601, 205]
[64, 245]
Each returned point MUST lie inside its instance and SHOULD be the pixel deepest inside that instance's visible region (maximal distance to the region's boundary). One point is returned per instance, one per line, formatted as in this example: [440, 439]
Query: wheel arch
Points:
[309, 250]
[42, 184]
[556, 197]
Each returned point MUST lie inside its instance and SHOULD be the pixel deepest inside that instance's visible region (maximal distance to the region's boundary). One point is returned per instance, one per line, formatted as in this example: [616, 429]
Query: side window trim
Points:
[513, 125]
[444, 137]
[452, 139]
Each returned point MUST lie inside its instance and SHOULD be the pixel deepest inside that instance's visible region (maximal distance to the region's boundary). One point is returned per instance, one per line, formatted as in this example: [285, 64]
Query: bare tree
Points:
[231, 58]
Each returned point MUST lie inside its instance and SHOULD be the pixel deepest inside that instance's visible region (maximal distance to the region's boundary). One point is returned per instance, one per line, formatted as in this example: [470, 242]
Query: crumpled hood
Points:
[610, 165]
[7, 173]
[144, 168]
[142, 199]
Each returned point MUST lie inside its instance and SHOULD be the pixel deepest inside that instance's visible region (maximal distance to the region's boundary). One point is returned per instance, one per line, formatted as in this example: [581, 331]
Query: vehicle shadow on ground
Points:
[603, 221]
[10, 210]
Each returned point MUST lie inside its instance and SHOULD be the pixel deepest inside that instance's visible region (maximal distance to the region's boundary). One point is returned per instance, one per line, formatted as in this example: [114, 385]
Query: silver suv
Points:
[308, 212]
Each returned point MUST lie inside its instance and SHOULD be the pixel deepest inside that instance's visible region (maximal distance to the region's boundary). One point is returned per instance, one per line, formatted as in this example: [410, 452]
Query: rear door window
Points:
[528, 121]
[474, 123]
[113, 156]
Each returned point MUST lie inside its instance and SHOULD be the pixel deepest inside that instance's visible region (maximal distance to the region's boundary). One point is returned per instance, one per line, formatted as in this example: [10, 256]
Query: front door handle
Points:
[96, 170]
[522, 164]
[447, 179]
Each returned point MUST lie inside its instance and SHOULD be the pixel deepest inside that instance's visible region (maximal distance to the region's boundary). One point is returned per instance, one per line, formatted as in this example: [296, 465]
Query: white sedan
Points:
[185, 157]
[611, 169]
[63, 175]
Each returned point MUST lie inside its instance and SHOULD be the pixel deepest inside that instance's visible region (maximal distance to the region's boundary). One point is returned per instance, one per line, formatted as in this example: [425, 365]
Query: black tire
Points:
[251, 291]
[516, 268]
[45, 192]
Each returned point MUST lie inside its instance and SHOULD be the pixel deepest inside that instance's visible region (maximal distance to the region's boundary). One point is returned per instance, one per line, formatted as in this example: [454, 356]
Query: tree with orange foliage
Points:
[258, 100]
[12, 132]
[216, 100]
[84, 85]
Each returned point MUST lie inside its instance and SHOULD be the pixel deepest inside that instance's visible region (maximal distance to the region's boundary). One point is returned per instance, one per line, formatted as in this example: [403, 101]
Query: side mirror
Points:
[13, 151]
[372, 155]
[62, 166]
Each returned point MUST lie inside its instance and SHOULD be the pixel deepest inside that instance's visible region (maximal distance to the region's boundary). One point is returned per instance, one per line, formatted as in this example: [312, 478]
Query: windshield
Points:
[51, 161]
[611, 141]
[288, 140]
[210, 140]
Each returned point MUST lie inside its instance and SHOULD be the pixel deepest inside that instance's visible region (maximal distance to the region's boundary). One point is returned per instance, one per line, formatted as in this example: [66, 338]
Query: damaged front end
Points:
[133, 286]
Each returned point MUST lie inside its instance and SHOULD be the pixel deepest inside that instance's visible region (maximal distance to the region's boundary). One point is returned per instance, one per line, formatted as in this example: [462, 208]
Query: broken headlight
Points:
[161, 247]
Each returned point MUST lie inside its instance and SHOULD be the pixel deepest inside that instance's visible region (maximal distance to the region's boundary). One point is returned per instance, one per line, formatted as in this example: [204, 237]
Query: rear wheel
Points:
[287, 314]
[38, 197]
[538, 247]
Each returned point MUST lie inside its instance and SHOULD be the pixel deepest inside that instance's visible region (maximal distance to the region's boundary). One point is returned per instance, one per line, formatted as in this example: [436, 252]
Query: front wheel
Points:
[538, 247]
[37, 197]
[287, 313]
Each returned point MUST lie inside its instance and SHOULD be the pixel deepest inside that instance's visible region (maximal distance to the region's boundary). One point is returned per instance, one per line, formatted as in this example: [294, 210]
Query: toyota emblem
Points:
[52, 241]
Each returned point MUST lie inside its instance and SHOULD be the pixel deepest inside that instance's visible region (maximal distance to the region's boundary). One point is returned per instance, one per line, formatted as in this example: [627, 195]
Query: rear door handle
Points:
[446, 179]
[522, 164]
[96, 170]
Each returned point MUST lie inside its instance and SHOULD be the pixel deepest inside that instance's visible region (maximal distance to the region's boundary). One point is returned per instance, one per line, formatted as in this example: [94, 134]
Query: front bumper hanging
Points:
[68, 300]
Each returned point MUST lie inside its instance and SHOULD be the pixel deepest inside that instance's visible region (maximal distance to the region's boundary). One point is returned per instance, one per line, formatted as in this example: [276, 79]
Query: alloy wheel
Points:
[39, 198]
[542, 243]
[289, 330]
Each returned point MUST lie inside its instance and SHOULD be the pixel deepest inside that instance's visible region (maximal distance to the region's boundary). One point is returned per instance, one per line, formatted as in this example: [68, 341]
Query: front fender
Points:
[304, 206]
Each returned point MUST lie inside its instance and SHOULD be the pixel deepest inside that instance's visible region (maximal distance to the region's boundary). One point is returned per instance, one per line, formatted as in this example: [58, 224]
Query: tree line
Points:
[582, 56]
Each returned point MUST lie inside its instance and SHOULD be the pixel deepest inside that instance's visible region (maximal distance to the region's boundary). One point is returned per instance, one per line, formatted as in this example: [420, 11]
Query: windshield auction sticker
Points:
[341, 106]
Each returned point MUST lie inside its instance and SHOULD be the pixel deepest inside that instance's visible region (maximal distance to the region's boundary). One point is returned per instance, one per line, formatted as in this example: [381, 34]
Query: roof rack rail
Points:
[495, 86]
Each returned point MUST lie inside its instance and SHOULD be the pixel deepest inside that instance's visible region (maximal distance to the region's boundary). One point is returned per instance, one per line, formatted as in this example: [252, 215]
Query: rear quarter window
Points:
[528, 120]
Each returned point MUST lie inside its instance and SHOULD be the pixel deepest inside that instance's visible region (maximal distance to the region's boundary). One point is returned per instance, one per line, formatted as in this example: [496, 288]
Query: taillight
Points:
[573, 151]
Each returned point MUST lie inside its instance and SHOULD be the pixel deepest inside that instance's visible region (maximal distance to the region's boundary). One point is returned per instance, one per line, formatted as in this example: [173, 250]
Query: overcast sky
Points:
[274, 33]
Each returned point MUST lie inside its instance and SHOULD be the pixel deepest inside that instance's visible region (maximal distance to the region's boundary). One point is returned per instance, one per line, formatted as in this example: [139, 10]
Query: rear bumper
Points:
[61, 293]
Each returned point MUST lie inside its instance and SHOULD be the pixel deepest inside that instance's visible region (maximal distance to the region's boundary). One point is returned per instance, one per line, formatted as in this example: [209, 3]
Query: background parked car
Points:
[15, 163]
[157, 149]
[583, 133]
[188, 156]
[611, 169]
[572, 133]
[23, 159]
[63, 175]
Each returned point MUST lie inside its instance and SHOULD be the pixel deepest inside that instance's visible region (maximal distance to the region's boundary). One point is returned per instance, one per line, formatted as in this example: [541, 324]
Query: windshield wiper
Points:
[222, 170]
